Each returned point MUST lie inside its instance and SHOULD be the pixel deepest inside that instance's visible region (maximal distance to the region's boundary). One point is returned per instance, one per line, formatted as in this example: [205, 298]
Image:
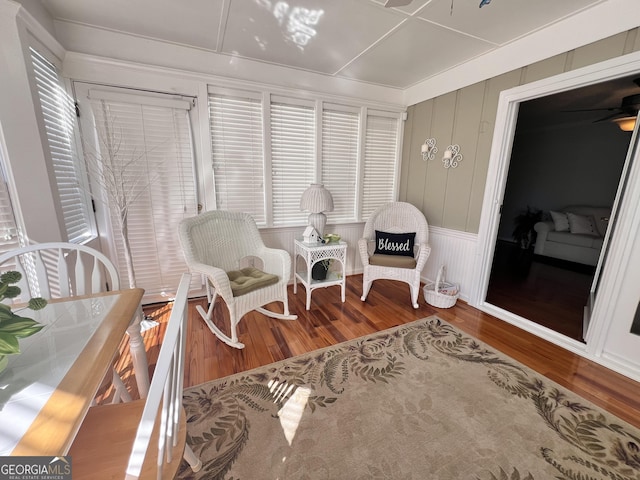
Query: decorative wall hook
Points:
[429, 149]
[452, 156]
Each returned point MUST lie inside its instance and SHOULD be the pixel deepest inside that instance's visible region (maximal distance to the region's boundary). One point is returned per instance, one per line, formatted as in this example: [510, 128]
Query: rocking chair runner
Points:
[218, 244]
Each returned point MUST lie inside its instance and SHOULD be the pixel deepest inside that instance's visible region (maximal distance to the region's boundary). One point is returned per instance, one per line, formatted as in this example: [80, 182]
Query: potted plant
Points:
[13, 326]
[319, 269]
[523, 233]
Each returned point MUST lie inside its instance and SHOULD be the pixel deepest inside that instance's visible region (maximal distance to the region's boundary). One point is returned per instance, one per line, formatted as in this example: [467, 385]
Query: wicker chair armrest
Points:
[424, 250]
[276, 261]
[365, 251]
[217, 277]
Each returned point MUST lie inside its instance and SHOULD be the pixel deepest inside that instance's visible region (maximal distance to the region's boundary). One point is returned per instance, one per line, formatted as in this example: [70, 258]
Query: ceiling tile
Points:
[193, 23]
[317, 35]
[502, 20]
[404, 57]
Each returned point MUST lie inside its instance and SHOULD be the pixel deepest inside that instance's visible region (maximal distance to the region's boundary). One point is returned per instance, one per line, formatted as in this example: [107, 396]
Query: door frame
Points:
[506, 118]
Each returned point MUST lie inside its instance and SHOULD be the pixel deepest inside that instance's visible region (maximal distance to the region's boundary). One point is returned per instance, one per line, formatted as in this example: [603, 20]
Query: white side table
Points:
[312, 254]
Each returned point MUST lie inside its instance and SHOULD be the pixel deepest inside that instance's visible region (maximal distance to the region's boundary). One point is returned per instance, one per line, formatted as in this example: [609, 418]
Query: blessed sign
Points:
[395, 243]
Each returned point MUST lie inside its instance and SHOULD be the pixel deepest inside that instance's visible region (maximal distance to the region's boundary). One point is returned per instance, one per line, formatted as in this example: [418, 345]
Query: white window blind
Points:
[293, 153]
[340, 160]
[267, 149]
[236, 129]
[58, 110]
[150, 145]
[9, 238]
[380, 162]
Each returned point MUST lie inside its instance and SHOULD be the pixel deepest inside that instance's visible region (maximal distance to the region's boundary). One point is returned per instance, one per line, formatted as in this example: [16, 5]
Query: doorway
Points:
[599, 333]
[567, 156]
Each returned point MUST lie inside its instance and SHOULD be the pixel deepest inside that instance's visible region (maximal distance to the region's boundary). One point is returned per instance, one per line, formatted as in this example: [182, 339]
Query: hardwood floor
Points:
[329, 321]
[550, 293]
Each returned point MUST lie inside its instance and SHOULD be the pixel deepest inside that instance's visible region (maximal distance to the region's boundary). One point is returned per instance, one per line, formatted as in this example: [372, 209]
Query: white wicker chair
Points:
[218, 242]
[395, 217]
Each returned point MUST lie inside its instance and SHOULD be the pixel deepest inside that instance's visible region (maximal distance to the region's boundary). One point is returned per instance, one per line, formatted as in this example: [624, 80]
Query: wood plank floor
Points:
[549, 292]
[329, 321]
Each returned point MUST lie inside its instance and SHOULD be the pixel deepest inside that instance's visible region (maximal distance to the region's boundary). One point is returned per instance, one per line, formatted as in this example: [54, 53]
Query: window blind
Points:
[293, 154]
[340, 160]
[267, 149]
[238, 156]
[380, 162]
[58, 110]
[9, 238]
[150, 147]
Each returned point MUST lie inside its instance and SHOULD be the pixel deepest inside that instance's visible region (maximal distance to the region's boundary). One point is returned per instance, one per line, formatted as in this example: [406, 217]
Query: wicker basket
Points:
[441, 294]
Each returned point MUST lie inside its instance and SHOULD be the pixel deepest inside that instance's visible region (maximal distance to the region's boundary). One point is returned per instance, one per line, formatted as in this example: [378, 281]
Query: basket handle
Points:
[439, 278]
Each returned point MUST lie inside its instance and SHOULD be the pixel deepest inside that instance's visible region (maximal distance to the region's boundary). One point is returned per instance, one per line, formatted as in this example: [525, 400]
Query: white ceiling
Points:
[353, 39]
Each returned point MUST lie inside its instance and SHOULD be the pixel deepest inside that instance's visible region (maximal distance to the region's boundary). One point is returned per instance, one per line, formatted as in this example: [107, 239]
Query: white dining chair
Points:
[58, 270]
[144, 438]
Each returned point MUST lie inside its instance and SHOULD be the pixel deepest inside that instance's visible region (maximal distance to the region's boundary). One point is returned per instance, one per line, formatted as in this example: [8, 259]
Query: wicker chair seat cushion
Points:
[249, 279]
[396, 261]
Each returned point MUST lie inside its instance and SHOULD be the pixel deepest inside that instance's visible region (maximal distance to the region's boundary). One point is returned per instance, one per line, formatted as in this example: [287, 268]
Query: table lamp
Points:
[317, 199]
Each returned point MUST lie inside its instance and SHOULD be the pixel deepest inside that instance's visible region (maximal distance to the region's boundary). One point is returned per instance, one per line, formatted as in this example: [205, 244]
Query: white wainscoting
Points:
[455, 250]
[451, 248]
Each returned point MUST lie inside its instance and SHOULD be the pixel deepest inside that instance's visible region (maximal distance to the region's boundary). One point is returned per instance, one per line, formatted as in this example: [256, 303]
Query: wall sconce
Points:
[452, 156]
[429, 149]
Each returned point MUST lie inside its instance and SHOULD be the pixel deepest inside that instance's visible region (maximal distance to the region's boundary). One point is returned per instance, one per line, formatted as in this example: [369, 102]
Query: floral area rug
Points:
[419, 401]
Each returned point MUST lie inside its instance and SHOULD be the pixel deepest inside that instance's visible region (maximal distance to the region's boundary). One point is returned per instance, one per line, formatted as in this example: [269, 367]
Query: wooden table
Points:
[46, 390]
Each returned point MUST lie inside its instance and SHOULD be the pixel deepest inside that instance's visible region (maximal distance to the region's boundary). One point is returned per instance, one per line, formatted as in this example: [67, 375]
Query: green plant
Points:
[524, 222]
[13, 326]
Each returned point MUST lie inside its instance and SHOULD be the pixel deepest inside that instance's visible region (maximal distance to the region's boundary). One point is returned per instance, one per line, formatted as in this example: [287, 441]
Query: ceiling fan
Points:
[629, 107]
[624, 115]
[403, 3]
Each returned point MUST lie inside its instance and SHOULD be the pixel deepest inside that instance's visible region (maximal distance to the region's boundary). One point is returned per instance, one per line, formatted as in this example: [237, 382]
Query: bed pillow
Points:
[560, 221]
[581, 224]
[395, 243]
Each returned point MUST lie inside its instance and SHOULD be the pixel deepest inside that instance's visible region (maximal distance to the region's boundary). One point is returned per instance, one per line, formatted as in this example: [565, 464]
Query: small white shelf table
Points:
[312, 253]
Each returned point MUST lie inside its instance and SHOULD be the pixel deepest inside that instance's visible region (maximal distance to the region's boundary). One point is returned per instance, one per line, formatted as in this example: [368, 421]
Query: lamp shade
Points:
[626, 124]
[316, 199]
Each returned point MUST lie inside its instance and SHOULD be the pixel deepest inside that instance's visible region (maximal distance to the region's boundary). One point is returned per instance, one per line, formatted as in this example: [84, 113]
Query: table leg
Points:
[308, 298]
[139, 355]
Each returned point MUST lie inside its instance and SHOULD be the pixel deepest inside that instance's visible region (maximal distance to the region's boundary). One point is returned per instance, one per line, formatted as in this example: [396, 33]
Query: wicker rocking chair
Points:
[222, 246]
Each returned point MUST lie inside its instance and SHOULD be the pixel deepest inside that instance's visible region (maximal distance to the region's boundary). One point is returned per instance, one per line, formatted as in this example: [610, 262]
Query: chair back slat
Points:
[165, 391]
[97, 278]
[79, 272]
[63, 273]
[41, 275]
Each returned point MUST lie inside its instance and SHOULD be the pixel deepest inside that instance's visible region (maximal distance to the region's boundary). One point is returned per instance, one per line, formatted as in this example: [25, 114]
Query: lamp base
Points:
[318, 221]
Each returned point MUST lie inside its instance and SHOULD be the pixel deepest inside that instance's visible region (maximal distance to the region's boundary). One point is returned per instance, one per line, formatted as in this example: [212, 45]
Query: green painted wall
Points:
[452, 198]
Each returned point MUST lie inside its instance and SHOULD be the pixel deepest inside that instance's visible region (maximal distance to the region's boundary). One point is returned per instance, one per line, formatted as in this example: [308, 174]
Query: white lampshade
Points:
[317, 199]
